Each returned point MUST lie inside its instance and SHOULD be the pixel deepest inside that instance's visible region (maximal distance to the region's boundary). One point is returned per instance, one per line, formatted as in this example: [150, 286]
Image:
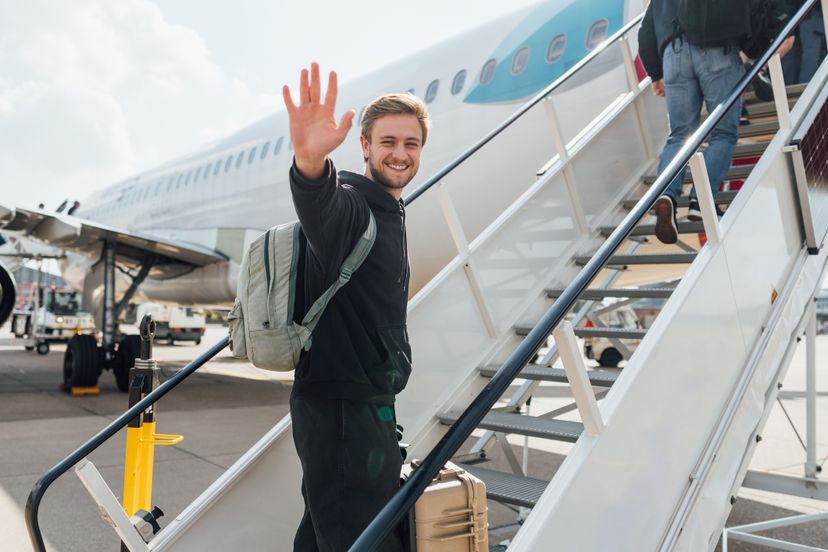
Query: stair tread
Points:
[629, 293]
[507, 422]
[735, 172]
[750, 149]
[683, 227]
[759, 129]
[509, 488]
[598, 378]
[722, 198]
[618, 333]
[660, 258]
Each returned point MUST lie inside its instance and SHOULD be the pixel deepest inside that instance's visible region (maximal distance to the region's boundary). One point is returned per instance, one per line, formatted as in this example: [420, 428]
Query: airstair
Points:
[653, 448]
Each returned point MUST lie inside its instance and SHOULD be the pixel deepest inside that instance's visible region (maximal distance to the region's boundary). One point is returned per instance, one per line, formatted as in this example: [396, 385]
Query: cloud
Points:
[92, 91]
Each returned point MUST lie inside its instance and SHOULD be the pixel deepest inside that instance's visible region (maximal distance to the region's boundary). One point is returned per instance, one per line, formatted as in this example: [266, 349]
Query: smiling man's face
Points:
[393, 153]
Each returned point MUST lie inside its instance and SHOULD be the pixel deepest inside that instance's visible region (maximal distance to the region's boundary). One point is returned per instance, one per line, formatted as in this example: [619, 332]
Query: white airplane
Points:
[180, 229]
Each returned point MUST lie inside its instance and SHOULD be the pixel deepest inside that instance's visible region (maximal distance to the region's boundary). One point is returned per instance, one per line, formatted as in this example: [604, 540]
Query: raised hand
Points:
[313, 128]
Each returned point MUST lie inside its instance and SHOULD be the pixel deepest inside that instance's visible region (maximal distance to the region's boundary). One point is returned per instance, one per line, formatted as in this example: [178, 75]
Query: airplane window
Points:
[187, 179]
[239, 159]
[278, 147]
[197, 174]
[228, 163]
[488, 71]
[597, 33]
[458, 82]
[556, 48]
[431, 91]
[520, 61]
[217, 168]
[178, 182]
[170, 182]
[410, 91]
[362, 110]
[265, 149]
[252, 155]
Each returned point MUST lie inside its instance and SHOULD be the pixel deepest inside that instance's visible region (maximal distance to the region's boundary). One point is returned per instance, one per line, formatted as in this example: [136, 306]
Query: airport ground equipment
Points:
[109, 255]
[33, 327]
[653, 451]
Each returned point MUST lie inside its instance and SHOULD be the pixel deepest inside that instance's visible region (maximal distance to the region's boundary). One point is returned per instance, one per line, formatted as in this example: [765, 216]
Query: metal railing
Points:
[456, 435]
[39, 489]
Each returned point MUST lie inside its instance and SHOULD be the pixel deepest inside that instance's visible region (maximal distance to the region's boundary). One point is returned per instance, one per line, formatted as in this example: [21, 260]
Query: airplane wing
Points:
[72, 234]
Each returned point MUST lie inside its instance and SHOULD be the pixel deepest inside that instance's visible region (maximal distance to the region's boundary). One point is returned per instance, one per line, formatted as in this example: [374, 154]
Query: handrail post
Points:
[568, 174]
[633, 84]
[780, 93]
[701, 182]
[578, 379]
[458, 235]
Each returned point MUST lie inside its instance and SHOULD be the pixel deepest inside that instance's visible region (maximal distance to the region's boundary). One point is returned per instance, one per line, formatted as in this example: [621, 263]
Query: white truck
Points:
[54, 315]
[173, 323]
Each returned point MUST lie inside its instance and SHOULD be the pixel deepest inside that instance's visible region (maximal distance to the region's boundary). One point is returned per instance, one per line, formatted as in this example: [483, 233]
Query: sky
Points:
[92, 91]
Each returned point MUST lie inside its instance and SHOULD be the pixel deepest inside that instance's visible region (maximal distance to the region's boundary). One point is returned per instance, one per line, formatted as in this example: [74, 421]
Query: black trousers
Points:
[351, 468]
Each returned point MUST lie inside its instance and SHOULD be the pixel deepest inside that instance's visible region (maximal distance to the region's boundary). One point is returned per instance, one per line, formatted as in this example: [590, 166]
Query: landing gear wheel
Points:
[170, 340]
[29, 348]
[610, 358]
[81, 363]
[198, 341]
[129, 348]
[43, 348]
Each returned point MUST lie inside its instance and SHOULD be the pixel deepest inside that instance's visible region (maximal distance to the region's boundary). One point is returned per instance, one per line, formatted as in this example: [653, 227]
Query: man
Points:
[342, 404]
[688, 72]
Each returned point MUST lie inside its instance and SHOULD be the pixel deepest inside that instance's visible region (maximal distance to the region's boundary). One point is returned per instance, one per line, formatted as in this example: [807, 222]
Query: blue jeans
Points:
[812, 39]
[693, 75]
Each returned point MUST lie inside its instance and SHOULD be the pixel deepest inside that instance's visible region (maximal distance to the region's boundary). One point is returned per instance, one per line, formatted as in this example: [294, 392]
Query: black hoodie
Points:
[360, 347]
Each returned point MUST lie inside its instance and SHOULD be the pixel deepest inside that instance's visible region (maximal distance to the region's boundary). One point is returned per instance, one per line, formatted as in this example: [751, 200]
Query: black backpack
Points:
[750, 24]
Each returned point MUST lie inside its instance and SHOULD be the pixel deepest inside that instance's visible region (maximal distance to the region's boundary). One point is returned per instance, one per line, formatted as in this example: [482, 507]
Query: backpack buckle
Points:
[346, 274]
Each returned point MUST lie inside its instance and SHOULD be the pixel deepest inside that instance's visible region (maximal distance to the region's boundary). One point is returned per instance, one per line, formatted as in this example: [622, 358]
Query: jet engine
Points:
[8, 293]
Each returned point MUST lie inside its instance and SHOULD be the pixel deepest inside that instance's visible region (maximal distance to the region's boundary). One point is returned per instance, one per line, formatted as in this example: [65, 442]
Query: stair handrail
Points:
[43, 483]
[403, 500]
[535, 100]
[39, 489]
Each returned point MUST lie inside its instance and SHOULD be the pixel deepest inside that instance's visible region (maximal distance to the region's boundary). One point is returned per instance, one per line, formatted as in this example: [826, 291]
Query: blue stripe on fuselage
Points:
[535, 32]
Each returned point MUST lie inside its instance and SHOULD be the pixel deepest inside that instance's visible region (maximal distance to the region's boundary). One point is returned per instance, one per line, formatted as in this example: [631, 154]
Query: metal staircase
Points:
[653, 465]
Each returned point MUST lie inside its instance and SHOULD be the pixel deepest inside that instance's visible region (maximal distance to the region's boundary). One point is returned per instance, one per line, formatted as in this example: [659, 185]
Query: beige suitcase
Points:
[452, 514]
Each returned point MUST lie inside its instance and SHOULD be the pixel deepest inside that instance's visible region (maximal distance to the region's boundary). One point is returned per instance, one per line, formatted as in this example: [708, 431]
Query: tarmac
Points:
[228, 405]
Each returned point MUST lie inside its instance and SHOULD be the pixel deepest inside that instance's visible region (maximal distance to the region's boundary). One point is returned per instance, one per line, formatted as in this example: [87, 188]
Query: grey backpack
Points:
[262, 329]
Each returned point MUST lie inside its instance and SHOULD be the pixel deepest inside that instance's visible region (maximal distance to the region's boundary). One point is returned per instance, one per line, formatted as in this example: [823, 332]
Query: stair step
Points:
[722, 198]
[750, 149]
[598, 378]
[794, 91]
[655, 258]
[618, 333]
[507, 422]
[624, 293]
[758, 129]
[766, 109]
[688, 227]
[509, 488]
[735, 172]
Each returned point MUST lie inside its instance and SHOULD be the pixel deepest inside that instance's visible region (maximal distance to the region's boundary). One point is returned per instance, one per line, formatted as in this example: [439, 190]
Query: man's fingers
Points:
[315, 85]
[289, 105]
[346, 122]
[330, 95]
[304, 88]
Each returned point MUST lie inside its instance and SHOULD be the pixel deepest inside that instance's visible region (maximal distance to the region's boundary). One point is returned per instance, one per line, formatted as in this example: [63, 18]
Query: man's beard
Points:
[379, 178]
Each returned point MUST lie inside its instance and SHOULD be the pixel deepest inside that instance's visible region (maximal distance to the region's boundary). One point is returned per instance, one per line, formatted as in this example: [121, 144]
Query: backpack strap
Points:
[351, 263]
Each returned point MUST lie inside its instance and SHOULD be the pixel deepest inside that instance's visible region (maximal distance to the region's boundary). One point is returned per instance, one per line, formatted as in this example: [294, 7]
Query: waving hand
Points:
[313, 128]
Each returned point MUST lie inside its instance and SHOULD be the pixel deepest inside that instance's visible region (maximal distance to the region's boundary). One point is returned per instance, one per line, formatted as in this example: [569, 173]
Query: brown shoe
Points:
[665, 228]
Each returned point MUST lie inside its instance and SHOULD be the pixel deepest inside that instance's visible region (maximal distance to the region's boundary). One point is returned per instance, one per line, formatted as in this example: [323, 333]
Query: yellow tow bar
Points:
[141, 437]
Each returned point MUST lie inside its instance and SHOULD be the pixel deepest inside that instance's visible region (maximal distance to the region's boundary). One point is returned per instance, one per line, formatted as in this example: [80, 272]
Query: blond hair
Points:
[395, 104]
